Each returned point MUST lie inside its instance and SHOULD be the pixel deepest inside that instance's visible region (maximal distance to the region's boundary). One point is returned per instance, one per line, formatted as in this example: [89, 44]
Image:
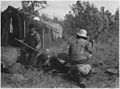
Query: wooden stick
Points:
[6, 39]
[43, 37]
[3, 33]
[20, 28]
[50, 36]
[26, 44]
[24, 29]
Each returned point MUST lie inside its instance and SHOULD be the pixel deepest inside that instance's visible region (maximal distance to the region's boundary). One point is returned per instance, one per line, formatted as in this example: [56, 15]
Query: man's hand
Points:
[38, 47]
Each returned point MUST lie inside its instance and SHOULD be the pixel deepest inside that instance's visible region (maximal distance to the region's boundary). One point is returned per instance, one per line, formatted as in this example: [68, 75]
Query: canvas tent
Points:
[14, 24]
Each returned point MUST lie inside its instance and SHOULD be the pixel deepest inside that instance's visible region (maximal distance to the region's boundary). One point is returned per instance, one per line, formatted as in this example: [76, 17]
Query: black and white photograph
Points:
[59, 43]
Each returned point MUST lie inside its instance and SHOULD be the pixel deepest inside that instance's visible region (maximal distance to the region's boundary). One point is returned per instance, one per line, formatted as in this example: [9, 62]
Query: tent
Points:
[14, 24]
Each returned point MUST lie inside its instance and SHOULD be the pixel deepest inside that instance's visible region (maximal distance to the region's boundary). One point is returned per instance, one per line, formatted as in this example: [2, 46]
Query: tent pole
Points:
[6, 39]
[3, 33]
[24, 29]
[43, 37]
[50, 36]
[19, 26]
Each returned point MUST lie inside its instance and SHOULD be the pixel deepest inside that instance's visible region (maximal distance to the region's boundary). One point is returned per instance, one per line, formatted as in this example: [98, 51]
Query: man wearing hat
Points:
[80, 52]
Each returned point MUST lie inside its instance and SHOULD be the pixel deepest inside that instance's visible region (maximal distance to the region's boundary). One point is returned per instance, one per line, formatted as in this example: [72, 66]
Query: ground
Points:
[105, 56]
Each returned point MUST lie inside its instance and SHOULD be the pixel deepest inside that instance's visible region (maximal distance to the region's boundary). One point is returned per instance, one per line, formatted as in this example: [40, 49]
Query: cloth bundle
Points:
[84, 68]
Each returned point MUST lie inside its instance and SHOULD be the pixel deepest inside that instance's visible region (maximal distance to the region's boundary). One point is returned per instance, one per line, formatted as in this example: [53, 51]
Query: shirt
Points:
[80, 49]
[33, 39]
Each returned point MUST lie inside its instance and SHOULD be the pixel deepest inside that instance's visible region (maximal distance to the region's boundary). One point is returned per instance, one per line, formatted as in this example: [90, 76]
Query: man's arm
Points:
[89, 47]
[38, 41]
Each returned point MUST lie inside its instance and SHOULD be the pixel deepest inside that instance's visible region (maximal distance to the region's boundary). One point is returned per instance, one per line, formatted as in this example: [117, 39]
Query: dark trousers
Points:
[31, 58]
[75, 62]
[27, 57]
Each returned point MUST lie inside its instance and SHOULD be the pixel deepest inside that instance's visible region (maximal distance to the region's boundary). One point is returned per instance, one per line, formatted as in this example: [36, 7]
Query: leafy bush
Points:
[87, 16]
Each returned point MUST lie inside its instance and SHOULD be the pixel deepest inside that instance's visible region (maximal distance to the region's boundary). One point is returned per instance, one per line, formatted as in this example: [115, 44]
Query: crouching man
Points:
[80, 51]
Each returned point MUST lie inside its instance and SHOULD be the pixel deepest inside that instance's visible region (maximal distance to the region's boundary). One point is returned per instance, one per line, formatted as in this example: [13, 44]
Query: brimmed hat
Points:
[37, 18]
[82, 33]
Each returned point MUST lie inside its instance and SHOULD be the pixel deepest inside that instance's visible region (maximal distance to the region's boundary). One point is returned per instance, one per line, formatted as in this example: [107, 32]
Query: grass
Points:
[106, 55]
